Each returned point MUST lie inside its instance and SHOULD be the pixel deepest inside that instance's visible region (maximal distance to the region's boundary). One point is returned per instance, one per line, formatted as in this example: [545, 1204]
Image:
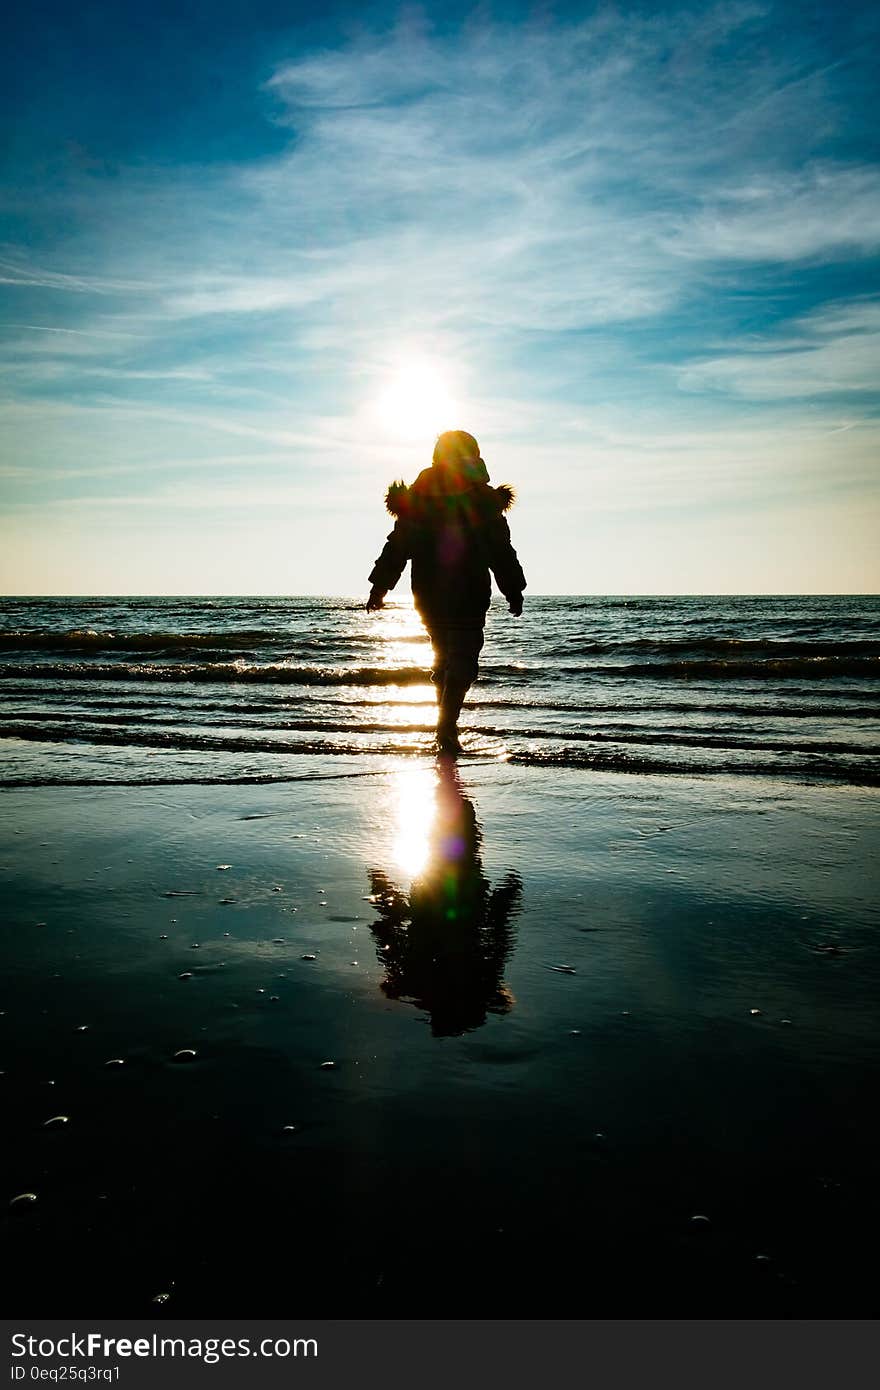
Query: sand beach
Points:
[241, 1077]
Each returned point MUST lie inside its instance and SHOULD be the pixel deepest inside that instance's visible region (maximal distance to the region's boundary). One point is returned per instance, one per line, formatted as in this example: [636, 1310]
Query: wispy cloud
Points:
[27, 275]
[834, 351]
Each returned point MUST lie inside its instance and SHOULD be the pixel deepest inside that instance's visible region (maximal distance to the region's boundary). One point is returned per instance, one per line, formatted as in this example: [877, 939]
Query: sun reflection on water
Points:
[404, 711]
[404, 640]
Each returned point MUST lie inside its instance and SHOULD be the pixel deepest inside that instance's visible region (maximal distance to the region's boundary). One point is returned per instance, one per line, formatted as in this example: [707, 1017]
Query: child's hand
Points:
[515, 604]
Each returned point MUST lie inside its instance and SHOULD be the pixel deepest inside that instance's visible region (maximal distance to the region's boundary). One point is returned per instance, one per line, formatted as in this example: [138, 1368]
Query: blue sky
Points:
[252, 259]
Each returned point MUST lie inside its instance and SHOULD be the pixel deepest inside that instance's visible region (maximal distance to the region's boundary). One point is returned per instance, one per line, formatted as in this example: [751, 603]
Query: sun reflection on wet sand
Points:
[415, 810]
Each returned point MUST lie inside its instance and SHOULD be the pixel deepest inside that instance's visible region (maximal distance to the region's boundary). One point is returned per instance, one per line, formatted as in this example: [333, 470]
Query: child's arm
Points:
[505, 565]
[390, 564]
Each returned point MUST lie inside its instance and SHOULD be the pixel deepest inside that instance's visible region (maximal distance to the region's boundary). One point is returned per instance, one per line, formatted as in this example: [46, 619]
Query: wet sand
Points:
[613, 1054]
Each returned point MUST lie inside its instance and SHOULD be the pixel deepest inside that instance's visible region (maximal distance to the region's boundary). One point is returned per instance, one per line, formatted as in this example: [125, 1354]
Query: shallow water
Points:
[141, 690]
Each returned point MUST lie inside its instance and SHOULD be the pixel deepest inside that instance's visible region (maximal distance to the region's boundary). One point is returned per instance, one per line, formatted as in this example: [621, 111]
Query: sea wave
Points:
[811, 668]
[165, 731]
[812, 770]
[87, 641]
[773, 668]
[774, 648]
[810, 703]
[404, 738]
[229, 671]
[241, 643]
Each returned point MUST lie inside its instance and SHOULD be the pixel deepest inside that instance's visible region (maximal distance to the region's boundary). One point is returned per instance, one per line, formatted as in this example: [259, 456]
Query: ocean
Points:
[158, 690]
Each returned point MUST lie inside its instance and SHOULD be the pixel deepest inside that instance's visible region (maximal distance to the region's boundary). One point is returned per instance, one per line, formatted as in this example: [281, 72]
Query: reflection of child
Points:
[451, 524]
[445, 946]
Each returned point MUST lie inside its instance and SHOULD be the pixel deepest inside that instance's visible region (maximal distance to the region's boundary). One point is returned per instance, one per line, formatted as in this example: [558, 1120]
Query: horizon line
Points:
[681, 593]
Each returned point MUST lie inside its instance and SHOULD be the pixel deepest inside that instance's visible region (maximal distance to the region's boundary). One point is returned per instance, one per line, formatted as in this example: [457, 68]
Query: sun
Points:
[416, 402]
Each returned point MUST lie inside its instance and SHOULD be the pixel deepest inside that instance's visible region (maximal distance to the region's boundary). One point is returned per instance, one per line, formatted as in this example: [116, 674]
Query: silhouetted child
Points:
[451, 524]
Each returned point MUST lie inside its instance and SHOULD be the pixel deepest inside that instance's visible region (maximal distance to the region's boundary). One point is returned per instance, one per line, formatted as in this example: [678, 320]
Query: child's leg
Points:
[440, 645]
[438, 637]
[461, 648]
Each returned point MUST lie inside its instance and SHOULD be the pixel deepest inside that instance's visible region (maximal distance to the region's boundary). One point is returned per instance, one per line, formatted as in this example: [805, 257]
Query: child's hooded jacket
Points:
[451, 525]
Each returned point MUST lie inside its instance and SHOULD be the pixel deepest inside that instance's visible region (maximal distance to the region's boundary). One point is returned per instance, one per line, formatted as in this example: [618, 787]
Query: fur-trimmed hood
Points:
[431, 487]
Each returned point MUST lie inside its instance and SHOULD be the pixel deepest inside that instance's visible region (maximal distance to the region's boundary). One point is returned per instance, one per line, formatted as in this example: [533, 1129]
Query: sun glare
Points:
[417, 402]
